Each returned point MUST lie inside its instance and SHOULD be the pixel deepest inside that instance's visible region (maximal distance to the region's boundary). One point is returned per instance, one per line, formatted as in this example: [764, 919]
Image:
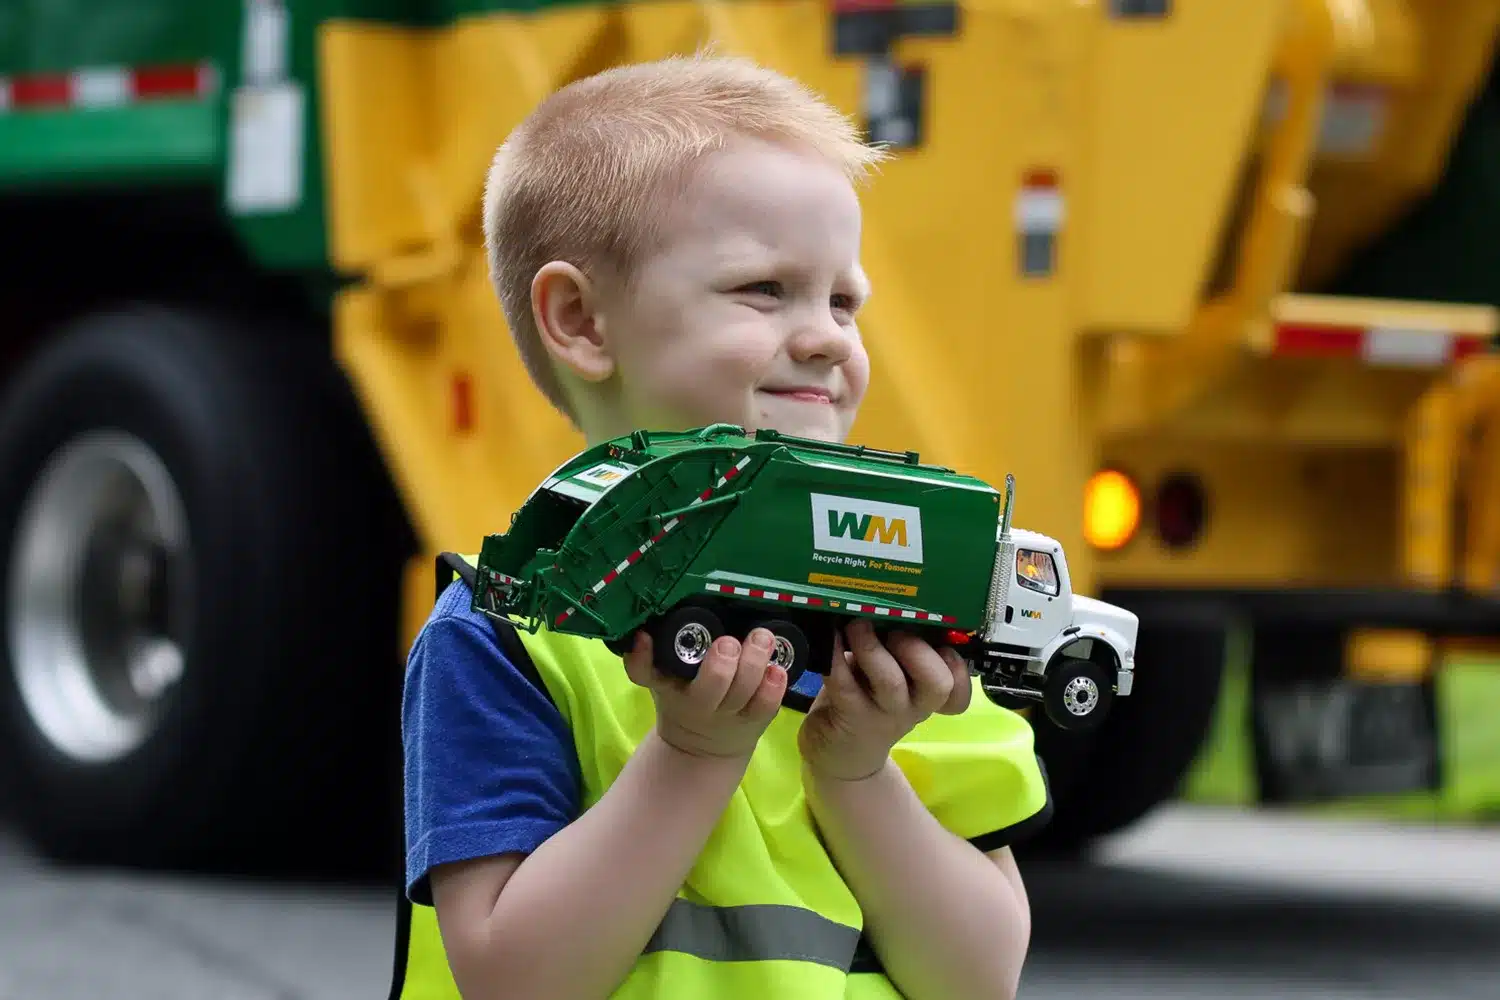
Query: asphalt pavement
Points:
[1191, 904]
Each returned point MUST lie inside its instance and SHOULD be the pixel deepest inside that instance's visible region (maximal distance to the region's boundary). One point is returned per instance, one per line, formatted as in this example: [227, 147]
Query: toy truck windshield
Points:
[1036, 571]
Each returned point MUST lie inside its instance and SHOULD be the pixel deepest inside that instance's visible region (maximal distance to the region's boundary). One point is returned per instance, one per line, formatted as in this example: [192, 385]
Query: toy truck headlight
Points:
[1036, 571]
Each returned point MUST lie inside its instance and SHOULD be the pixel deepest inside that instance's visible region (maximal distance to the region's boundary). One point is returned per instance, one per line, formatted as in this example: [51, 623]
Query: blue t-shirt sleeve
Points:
[490, 766]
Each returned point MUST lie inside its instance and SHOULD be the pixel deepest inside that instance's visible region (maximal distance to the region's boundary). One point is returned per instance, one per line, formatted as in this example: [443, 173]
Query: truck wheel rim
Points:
[691, 642]
[782, 653]
[95, 586]
[1080, 695]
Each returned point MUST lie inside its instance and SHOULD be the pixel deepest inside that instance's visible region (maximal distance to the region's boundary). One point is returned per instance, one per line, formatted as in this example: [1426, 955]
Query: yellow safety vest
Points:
[763, 913]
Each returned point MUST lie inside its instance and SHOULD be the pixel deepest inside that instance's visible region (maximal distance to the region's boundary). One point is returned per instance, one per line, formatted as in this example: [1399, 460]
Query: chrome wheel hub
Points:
[97, 575]
[1081, 695]
[691, 642]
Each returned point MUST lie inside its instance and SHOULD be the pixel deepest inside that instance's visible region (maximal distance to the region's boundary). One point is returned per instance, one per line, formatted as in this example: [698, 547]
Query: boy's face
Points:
[744, 312]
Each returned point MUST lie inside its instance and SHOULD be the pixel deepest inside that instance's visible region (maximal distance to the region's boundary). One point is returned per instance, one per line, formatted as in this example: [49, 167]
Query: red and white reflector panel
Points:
[1039, 205]
[1381, 346]
[1039, 217]
[1354, 118]
[106, 87]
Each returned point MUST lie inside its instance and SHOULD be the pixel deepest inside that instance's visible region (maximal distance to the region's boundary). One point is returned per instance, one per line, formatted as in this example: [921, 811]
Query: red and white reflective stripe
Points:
[107, 86]
[635, 556]
[764, 595]
[926, 616]
[780, 595]
[1376, 345]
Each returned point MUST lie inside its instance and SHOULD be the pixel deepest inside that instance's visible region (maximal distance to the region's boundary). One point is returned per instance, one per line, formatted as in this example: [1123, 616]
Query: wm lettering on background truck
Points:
[1224, 302]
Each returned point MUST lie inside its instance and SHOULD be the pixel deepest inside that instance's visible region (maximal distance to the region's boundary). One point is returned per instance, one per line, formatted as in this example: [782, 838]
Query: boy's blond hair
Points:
[577, 179]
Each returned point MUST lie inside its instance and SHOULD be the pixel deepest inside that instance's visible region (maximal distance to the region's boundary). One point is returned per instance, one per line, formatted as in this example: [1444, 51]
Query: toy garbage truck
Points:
[693, 535]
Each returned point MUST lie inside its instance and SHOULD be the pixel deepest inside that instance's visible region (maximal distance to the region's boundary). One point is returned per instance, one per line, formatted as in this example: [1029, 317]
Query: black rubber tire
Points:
[1060, 673]
[279, 746]
[666, 628]
[1105, 781]
[822, 631]
[801, 648]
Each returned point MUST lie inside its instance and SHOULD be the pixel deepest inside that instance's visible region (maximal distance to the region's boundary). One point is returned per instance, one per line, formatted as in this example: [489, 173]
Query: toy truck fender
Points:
[1093, 621]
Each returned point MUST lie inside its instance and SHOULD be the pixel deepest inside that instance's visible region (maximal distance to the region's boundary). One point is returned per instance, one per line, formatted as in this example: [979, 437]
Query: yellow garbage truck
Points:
[1212, 279]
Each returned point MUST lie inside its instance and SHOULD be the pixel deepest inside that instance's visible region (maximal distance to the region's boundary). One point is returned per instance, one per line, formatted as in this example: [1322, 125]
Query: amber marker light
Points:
[1111, 509]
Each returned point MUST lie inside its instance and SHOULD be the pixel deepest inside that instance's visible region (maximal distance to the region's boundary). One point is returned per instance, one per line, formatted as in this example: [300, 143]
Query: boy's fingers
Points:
[963, 686]
[754, 657]
[766, 701]
[887, 681]
[931, 676]
[638, 665]
[715, 674]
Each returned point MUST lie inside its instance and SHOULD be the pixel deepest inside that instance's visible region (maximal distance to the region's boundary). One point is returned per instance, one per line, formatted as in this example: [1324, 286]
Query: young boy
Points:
[676, 244]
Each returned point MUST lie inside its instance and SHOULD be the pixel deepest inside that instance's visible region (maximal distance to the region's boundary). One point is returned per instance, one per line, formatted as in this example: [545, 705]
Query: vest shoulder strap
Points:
[454, 565]
[450, 564]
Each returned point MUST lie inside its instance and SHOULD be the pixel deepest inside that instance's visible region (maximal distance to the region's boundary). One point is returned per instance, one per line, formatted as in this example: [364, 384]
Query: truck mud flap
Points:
[1321, 733]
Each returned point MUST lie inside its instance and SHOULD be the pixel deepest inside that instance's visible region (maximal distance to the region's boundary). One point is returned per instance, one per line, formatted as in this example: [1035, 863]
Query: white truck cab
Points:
[1072, 653]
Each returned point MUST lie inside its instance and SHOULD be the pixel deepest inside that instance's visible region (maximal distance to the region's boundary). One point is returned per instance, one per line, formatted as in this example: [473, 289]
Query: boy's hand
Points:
[874, 696]
[723, 710]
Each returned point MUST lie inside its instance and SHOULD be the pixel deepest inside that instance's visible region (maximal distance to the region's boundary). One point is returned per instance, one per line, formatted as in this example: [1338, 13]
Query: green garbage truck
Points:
[697, 534]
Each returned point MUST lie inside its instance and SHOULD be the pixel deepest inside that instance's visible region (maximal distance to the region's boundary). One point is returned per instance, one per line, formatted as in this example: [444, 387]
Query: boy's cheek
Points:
[857, 378]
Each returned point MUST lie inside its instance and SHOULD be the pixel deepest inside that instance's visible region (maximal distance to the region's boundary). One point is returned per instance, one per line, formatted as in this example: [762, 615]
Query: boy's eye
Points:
[771, 288]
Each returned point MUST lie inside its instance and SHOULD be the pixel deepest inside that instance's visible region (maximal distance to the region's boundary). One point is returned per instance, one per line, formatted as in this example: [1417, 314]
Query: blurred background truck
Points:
[1214, 278]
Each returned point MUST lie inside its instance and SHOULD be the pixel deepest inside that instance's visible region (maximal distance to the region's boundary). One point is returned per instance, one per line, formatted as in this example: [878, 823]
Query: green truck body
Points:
[688, 535]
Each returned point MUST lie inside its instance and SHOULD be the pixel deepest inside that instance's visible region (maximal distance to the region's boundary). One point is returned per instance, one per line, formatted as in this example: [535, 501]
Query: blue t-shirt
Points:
[490, 764]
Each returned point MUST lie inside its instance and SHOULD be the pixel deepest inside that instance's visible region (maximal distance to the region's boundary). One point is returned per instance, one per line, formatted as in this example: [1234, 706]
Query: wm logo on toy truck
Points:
[867, 528]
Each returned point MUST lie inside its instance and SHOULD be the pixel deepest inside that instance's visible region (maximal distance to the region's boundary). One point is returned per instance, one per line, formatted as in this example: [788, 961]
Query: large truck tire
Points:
[196, 670]
[1103, 782]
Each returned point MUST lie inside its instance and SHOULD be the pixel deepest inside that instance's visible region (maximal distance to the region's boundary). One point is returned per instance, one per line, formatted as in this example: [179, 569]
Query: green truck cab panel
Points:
[97, 94]
[56, 128]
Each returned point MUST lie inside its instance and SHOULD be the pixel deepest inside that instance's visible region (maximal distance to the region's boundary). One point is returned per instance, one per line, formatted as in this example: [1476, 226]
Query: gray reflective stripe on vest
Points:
[755, 933]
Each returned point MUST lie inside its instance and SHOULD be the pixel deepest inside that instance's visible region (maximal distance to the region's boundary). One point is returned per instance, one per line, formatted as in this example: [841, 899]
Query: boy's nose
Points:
[821, 340]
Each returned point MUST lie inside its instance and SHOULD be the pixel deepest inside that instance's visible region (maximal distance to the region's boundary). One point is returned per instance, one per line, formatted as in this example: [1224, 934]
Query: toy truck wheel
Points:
[1077, 695]
[792, 651]
[681, 639]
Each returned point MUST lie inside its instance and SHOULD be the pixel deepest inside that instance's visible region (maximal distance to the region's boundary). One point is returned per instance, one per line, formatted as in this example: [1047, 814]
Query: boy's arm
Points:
[948, 920]
[567, 915]
[573, 917]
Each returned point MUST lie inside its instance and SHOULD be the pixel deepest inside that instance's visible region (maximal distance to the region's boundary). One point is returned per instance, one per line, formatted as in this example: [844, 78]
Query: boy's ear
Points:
[564, 304]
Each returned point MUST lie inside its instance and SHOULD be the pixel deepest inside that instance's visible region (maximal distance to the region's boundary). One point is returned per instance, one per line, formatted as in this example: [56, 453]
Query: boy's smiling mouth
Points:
[800, 393]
